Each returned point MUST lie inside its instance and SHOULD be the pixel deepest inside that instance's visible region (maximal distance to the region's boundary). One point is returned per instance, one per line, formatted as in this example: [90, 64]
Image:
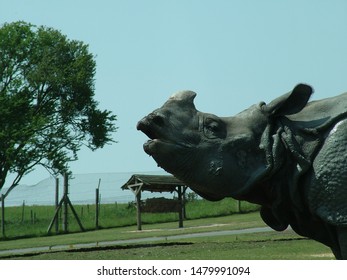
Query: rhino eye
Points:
[214, 128]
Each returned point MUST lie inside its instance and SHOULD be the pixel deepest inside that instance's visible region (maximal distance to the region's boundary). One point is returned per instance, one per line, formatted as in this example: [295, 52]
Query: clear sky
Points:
[233, 53]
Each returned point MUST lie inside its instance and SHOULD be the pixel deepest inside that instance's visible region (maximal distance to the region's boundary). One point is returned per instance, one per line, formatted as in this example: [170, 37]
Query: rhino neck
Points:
[288, 163]
[283, 156]
[266, 164]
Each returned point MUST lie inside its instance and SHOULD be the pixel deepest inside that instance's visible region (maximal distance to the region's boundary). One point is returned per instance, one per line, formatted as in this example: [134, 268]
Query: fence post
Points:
[138, 205]
[97, 208]
[23, 206]
[181, 211]
[3, 215]
[238, 206]
[56, 203]
[97, 202]
[65, 203]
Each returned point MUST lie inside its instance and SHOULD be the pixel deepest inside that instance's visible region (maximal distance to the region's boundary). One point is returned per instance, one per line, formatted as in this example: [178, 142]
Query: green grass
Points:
[33, 221]
[118, 222]
[236, 221]
[269, 245]
[260, 246]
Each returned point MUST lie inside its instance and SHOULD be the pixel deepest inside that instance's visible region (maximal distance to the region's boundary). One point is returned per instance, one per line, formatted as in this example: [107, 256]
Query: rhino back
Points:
[328, 192]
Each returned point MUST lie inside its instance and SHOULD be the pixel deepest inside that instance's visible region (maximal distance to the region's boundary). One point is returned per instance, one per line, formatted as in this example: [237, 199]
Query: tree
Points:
[47, 106]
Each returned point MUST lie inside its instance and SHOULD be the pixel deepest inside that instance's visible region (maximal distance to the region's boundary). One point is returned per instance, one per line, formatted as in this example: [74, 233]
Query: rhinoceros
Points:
[289, 156]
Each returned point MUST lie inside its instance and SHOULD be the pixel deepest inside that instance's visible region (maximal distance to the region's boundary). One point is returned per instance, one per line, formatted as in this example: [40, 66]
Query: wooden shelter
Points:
[157, 183]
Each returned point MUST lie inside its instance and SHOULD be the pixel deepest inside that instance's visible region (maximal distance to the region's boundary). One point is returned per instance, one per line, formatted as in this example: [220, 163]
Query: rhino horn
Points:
[186, 96]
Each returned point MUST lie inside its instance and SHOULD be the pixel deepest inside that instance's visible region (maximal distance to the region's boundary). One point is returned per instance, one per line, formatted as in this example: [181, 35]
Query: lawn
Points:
[33, 221]
[260, 246]
[267, 245]
[236, 221]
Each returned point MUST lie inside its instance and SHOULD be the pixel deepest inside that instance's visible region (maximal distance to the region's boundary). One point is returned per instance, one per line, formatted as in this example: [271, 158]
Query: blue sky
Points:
[233, 53]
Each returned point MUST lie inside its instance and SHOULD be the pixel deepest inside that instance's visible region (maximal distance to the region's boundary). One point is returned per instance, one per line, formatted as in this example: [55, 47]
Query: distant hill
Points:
[81, 190]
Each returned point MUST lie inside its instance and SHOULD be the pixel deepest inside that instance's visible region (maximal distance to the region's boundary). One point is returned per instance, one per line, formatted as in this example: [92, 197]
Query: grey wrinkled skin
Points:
[289, 156]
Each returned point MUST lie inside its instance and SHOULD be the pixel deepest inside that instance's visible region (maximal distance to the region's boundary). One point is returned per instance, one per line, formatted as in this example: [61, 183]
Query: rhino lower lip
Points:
[149, 146]
[152, 147]
[154, 141]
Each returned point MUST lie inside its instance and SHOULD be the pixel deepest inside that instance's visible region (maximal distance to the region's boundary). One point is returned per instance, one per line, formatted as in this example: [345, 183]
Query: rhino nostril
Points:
[158, 120]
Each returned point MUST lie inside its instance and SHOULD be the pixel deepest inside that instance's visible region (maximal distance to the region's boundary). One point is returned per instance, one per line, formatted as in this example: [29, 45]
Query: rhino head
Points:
[217, 157]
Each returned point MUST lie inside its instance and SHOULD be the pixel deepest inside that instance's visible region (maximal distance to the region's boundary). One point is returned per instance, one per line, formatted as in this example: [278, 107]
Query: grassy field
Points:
[231, 222]
[30, 221]
[260, 246]
[269, 245]
[27, 227]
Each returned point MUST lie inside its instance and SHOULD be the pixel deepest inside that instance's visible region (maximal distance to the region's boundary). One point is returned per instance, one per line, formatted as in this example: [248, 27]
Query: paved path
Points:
[55, 248]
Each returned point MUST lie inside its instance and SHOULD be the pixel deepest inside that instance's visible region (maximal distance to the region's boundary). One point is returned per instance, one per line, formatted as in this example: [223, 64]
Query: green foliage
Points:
[47, 106]
[191, 196]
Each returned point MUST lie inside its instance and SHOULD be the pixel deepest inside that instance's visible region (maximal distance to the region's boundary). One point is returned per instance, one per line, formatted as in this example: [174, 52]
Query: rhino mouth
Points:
[157, 142]
[146, 129]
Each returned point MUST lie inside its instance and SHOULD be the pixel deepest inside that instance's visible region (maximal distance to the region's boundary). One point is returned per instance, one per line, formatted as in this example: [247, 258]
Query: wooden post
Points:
[180, 212]
[138, 206]
[3, 215]
[184, 202]
[74, 213]
[136, 190]
[238, 210]
[97, 208]
[56, 214]
[56, 203]
[23, 207]
[65, 203]
[97, 205]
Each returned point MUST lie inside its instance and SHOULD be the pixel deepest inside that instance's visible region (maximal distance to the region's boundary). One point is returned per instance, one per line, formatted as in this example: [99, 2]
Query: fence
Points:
[62, 206]
[25, 221]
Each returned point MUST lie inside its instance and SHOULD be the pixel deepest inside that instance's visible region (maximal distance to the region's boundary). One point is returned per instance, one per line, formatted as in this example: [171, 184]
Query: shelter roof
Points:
[153, 183]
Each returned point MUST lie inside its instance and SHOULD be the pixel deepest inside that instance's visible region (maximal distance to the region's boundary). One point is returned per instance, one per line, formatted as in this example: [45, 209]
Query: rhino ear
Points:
[186, 96]
[291, 102]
